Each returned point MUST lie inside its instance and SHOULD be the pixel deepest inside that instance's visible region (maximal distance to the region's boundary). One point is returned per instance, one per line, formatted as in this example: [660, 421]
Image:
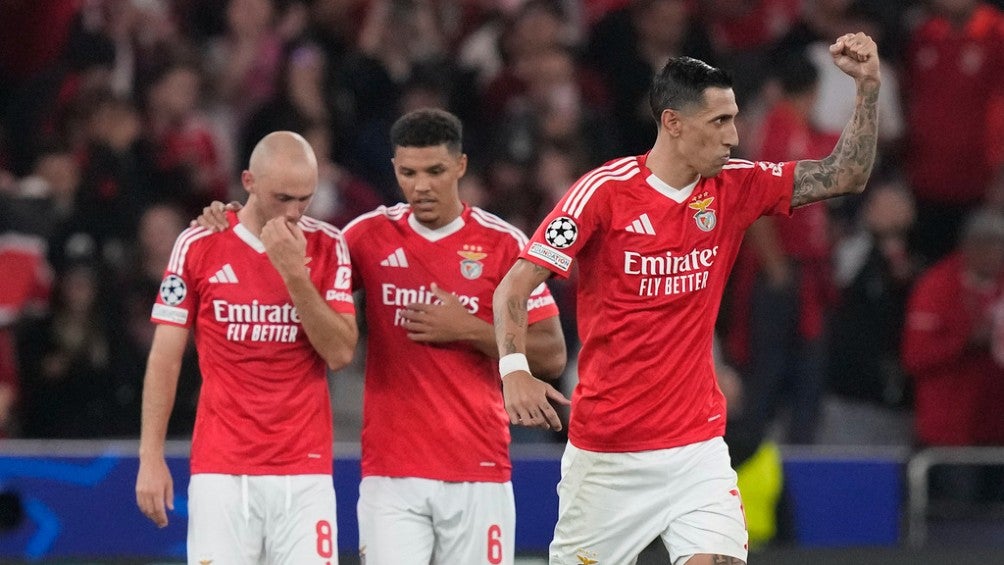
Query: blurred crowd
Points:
[869, 320]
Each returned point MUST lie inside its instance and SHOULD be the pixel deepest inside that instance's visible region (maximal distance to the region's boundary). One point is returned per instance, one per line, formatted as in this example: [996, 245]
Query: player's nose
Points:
[731, 136]
[294, 211]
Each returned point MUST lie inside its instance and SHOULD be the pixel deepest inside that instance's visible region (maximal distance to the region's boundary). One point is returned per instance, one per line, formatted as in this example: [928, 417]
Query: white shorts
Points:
[423, 521]
[612, 505]
[252, 519]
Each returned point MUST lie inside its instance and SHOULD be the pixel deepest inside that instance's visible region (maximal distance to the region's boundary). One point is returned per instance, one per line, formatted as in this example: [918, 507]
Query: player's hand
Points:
[857, 55]
[286, 246]
[154, 490]
[443, 322]
[214, 216]
[526, 401]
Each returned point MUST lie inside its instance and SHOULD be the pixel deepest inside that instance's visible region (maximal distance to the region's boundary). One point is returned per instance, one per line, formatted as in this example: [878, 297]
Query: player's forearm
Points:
[510, 318]
[160, 386]
[847, 168]
[510, 305]
[332, 335]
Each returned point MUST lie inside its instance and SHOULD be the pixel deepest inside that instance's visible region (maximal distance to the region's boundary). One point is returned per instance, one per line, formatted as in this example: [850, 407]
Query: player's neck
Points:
[669, 167]
[249, 220]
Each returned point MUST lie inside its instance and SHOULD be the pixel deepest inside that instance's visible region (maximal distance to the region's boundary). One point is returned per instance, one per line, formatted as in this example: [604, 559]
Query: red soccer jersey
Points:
[433, 411]
[958, 386]
[264, 407]
[653, 262]
[953, 78]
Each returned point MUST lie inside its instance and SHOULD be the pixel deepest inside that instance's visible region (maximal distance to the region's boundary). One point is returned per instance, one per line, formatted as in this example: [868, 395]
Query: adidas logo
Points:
[641, 225]
[225, 275]
[395, 259]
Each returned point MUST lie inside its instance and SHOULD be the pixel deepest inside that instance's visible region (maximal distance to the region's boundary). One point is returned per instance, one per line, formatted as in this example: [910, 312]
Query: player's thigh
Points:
[710, 519]
[475, 524]
[225, 525]
[395, 520]
[303, 526]
[610, 507]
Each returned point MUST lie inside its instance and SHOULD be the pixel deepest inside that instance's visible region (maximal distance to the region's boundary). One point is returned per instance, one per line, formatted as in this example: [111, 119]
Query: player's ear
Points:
[247, 180]
[671, 120]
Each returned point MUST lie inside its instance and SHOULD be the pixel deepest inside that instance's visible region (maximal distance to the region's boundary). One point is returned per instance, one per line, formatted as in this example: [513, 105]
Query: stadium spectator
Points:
[953, 78]
[187, 150]
[553, 108]
[947, 340]
[628, 46]
[243, 63]
[117, 178]
[948, 345]
[24, 296]
[300, 98]
[67, 359]
[870, 397]
[743, 34]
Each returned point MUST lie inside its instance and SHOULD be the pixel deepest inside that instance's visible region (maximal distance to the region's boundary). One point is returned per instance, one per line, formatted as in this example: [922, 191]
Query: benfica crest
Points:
[470, 264]
[705, 219]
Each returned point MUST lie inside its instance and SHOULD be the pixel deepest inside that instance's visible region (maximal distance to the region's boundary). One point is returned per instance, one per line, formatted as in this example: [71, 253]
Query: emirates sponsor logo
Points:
[668, 273]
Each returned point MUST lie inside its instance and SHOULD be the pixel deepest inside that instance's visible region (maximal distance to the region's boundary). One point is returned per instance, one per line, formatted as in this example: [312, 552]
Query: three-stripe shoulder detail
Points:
[176, 264]
[393, 213]
[739, 164]
[309, 224]
[585, 187]
[491, 221]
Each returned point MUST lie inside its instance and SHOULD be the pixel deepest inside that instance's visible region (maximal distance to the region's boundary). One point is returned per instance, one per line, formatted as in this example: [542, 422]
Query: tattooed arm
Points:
[846, 169]
[526, 397]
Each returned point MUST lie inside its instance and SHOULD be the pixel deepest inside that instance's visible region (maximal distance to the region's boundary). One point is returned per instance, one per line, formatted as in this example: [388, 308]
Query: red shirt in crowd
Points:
[959, 388]
[954, 83]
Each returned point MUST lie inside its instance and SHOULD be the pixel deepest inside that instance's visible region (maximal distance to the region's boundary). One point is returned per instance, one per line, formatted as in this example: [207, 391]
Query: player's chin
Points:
[712, 170]
[426, 216]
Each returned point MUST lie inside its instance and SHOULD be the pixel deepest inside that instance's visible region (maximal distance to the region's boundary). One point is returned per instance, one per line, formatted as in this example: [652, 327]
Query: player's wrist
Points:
[513, 362]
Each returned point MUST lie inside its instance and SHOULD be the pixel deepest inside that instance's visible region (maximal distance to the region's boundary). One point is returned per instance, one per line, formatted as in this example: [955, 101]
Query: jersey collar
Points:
[249, 238]
[437, 234]
[678, 195]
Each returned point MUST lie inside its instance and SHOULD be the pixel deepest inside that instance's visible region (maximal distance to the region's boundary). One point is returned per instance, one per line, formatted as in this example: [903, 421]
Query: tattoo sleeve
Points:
[516, 311]
[847, 168]
[511, 317]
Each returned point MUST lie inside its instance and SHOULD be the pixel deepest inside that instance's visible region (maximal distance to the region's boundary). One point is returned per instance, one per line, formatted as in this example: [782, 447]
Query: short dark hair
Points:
[681, 83]
[428, 127]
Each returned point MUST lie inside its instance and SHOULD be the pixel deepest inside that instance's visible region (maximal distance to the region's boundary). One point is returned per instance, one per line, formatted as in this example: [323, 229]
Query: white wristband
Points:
[512, 363]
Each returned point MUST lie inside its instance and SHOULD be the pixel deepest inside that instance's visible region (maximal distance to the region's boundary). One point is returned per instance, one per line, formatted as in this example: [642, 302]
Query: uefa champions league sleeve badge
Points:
[173, 290]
